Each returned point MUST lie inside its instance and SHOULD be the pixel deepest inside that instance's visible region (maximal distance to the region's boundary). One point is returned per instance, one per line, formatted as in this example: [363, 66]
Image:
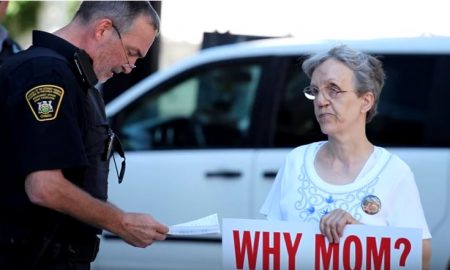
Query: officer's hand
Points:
[140, 230]
[332, 224]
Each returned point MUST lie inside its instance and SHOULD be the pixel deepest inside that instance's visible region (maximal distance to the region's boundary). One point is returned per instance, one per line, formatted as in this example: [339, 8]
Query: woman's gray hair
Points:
[368, 71]
[122, 13]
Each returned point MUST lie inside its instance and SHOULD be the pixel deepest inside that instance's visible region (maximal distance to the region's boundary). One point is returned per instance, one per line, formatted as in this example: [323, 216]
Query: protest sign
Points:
[262, 244]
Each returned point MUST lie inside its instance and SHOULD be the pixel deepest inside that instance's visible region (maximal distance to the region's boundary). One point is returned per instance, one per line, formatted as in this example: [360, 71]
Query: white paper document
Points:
[205, 225]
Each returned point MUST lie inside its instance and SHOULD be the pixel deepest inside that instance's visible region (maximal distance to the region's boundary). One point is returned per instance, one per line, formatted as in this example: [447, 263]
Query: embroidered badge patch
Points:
[44, 101]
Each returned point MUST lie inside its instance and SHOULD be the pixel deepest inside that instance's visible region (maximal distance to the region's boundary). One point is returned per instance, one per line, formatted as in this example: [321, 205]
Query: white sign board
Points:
[262, 244]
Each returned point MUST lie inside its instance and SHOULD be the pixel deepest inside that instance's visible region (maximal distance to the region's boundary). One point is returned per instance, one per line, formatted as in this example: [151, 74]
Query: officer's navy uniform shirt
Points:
[42, 104]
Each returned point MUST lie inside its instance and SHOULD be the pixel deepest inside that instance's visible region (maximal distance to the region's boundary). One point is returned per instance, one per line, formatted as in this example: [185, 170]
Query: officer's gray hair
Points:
[368, 71]
[122, 13]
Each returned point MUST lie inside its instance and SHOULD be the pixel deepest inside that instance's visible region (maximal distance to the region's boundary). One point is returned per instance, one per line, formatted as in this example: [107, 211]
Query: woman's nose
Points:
[321, 99]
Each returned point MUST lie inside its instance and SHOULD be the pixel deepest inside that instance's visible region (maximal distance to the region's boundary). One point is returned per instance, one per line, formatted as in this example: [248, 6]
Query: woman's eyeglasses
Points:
[330, 92]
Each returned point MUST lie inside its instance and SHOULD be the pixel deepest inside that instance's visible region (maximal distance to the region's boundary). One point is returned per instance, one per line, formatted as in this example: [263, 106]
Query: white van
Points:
[209, 134]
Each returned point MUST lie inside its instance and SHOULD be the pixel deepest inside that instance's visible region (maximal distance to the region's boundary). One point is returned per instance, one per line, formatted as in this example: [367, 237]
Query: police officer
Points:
[56, 142]
[7, 45]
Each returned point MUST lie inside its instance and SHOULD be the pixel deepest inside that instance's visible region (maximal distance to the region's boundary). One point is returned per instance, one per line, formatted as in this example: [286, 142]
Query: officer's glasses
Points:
[331, 91]
[129, 65]
[112, 145]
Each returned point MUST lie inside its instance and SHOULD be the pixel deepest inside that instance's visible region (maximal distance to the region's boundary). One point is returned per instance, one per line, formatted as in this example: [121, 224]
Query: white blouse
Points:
[298, 192]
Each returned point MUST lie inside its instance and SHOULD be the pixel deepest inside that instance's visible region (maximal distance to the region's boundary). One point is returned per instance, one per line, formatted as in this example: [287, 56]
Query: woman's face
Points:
[337, 107]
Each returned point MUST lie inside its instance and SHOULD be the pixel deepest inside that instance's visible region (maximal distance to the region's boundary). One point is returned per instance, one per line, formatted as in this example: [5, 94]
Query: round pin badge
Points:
[371, 204]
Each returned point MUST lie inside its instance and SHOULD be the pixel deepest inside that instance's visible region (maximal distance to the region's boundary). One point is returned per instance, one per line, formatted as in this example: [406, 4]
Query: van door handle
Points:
[224, 174]
[270, 174]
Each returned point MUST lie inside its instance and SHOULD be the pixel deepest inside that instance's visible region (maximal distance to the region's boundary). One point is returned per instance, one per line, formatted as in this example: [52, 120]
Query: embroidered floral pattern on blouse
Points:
[314, 202]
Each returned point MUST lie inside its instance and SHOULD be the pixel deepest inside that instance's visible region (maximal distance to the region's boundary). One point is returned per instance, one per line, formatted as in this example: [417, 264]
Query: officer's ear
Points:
[103, 28]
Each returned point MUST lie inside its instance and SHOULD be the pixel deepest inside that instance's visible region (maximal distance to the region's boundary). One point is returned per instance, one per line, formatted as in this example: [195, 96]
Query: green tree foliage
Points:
[73, 8]
[21, 16]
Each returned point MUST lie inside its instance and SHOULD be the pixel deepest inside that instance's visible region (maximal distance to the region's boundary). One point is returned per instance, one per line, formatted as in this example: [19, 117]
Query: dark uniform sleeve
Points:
[47, 117]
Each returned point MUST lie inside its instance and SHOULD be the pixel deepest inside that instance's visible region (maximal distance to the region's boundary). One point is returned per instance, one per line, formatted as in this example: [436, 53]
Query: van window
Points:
[296, 123]
[412, 111]
[210, 108]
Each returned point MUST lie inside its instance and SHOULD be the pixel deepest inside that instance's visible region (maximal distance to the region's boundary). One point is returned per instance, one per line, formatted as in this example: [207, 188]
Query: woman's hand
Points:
[333, 223]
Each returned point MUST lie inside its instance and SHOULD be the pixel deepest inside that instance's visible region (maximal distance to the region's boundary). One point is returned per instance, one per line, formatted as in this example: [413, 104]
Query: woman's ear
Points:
[368, 99]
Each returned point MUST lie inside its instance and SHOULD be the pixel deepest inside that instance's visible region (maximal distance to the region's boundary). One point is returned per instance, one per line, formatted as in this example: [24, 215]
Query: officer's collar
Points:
[55, 43]
[68, 51]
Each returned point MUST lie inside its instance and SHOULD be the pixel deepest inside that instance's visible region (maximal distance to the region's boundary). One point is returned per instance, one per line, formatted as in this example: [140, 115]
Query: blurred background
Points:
[189, 26]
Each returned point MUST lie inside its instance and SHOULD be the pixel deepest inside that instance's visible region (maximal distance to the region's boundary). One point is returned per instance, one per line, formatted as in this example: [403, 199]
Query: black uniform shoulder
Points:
[39, 60]
[37, 66]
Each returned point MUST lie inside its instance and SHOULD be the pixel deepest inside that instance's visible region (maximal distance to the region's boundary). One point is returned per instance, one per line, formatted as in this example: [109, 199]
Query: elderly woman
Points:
[346, 179]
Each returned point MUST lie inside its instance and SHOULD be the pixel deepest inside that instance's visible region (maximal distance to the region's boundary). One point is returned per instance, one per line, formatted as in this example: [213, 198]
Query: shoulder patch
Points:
[44, 101]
